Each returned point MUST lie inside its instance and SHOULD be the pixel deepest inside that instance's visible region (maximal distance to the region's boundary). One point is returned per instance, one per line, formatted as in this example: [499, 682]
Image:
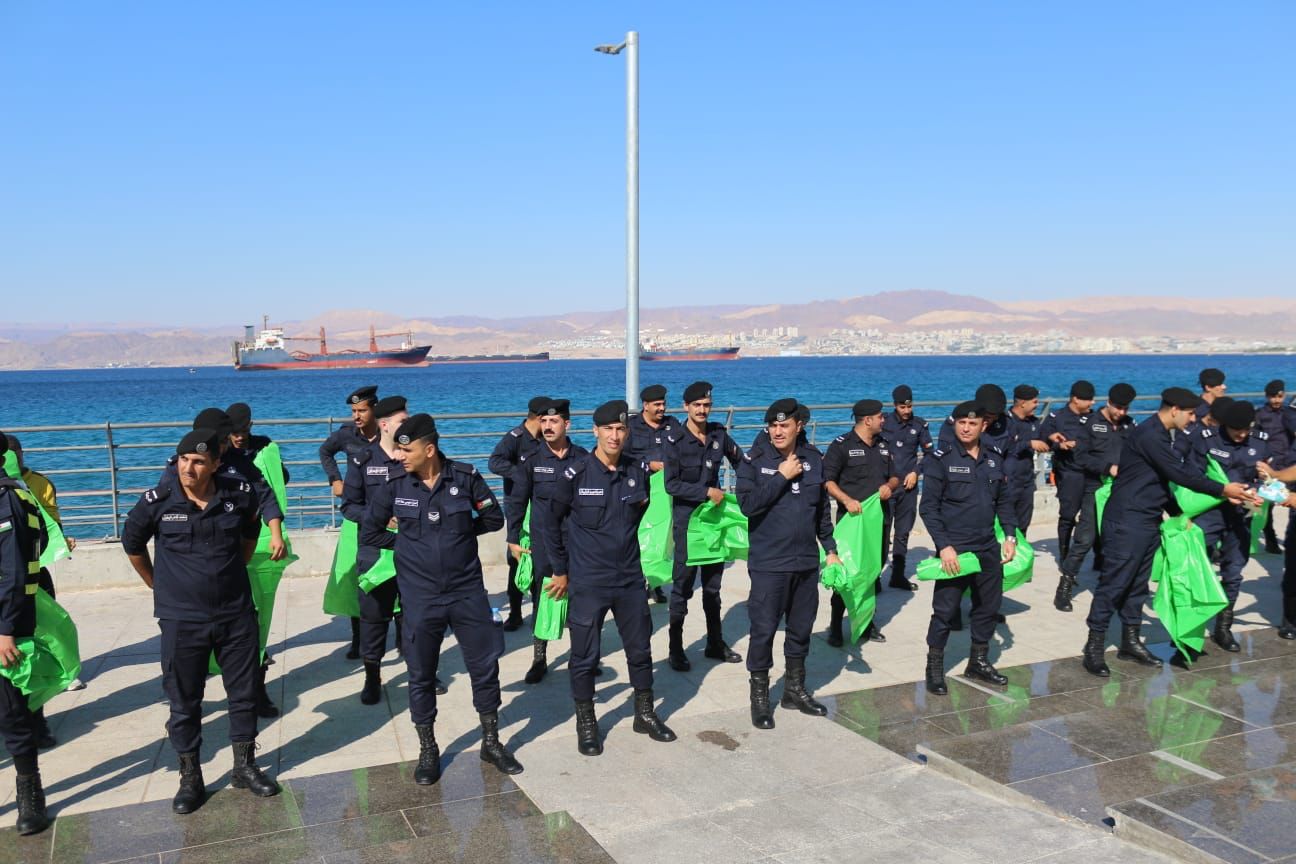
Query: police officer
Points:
[241, 437]
[781, 491]
[350, 438]
[1131, 526]
[692, 462]
[1212, 388]
[367, 472]
[504, 459]
[533, 484]
[1096, 455]
[442, 507]
[996, 430]
[1278, 420]
[1237, 450]
[204, 526]
[909, 440]
[857, 466]
[592, 535]
[1020, 457]
[1062, 429]
[651, 430]
[964, 489]
[22, 537]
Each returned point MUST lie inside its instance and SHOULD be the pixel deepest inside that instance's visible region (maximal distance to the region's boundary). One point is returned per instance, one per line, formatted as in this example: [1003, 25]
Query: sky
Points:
[190, 163]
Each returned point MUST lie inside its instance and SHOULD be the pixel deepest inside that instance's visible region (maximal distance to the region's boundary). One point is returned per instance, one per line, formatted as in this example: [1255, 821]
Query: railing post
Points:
[112, 475]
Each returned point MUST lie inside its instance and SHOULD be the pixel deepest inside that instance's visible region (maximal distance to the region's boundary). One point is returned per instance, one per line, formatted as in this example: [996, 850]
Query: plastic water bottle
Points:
[496, 617]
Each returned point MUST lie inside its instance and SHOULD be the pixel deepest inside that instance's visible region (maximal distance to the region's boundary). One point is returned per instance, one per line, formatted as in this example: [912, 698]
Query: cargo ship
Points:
[268, 350]
[539, 357]
[654, 353]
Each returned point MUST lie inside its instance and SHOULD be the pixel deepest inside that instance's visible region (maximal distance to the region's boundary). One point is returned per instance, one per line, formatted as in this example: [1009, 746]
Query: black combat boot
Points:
[371, 693]
[539, 662]
[678, 659]
[492, 750]
[658, 595]
[1062, 597]
[429, 761]
[1094, 649]
[936, 672]
[1287, 630]
[716, 647]
[761, 714]
[898, 579]
[588, 741]
[1223, 635]
[246, 774]
[872, 633]
[193, 792]
[265, 707]
[514, 620]
[354, 652]
[1132, 648]
[979, 666]
[795, 694]
[32, 818]
[837, 609]
[646, 721]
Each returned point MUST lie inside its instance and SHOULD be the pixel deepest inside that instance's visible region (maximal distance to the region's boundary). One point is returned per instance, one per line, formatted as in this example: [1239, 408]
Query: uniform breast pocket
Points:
[457, 515]
[588, 514]
[958, 488]
[407, 517]
[229, 524]
[175, 536]
[691, 469]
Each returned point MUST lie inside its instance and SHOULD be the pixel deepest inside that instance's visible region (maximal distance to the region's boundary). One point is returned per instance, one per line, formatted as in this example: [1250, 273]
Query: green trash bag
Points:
[51, 657]
[1258, 520]
[1193, 504]
[1101, 494]
[717, 532]
[1021, 569]
[859, 546]
[526, 567]
[930, 569]
[1188, 592]
[551, 614]
[656, 545]
[342, 590]
[56, 548]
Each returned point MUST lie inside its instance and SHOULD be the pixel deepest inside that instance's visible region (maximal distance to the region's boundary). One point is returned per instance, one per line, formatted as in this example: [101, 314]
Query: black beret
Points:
[697, 390]
[1211, 377]
[199, 440]
[559, 407]
[970, 409]
[803, 413]
[215, 419]
[364, 394]
[537, 404]
[1219, 407]
[991, 398]
[1274, 387]
[1121, 394]
[1185, 400]
[1024, 392]
[902, 394]
[1238, 414]
[867, 408]
[783, 409]
[240, 416]
[611, 412]
[389, 405]
[1082, 389]
[415, 428]
[653, 393]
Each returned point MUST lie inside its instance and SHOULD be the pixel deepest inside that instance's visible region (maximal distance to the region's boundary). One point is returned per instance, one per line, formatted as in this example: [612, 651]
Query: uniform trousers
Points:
[987, 595]
[587, 609]
[1128, 551]
[1021, 495]
[1082, 540]
[1070, 495]
[1289, 569]
[186, 649]
[377, 607]
[791, 596]
[17, 725]
[902, 508]
[685, 576]
[481, 640]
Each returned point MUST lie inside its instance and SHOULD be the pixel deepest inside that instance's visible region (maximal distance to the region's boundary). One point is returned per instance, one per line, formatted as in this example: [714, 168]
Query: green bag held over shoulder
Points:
[656, 542]
[551, 614]
[1188, 592]
[51, 656]
[1193, 504]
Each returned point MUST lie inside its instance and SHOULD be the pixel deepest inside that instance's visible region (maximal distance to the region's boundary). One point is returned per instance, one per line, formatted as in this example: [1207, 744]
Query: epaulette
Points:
[996, 448]
[236, 482]
[936, 454]
[515, 432]
[1260, 434]
[1205, 432]
[571, 471]
[157, 493]
[839, 439]
[465, 469]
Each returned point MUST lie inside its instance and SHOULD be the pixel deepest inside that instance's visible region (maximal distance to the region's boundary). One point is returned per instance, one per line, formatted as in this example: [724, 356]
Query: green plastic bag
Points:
[56, 548]
[342, 590]
[551, 614]
[1193, 504]
[656, 545]
[1101, 494]
[717, 532]
[1021, 569]
[859, 546]
[1188, 592]
[931, 569]
[1258, 520]
[51, 657]
[525, 573]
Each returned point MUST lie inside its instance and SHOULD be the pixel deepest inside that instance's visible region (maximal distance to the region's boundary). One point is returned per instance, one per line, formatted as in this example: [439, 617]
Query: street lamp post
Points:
[631, 48]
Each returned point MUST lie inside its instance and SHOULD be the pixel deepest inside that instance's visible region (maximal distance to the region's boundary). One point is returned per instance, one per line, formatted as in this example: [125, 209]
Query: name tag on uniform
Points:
[543, 469]
[1099, 427]
[1223, 454]
[769, 470]
[175, 517]
[857, 453]
[596, 493]
[376, 470]
[884, 451]
[406, 502]
[960, 469]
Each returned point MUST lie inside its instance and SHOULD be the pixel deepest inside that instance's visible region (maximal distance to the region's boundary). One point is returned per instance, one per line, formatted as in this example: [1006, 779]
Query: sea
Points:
[120, 397]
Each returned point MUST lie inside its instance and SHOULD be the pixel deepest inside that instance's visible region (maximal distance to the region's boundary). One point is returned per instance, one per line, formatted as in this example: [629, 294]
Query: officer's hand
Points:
[1057, 438]
[791, 466]
[278, 549]
[831, 558]
[393, 524]
[1264, 470]
[1009, 549]
[9, 653]
[336, 486]
[71, 543]
[852, 506]
[1039, 446]
[949, 561]
[1067, 445]
[1240, 493]
[884, 492]
[715, 496]
[1112, 470]
[911, 480]
[1291, 500]
[656, 466]
[557, 587]
[518, 551]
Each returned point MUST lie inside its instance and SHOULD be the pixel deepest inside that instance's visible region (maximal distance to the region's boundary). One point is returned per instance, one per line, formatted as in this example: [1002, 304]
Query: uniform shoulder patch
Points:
[936, 454]
[1261, 435]
[1206, 433]
[516, 433]
[571, 472]
[839, 439]
[157, 494]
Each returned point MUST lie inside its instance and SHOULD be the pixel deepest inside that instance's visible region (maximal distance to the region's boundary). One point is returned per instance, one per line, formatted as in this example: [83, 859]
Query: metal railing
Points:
[100, 470]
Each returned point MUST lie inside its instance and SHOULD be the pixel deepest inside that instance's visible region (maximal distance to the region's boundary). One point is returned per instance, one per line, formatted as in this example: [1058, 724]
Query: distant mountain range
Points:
[1231, 318]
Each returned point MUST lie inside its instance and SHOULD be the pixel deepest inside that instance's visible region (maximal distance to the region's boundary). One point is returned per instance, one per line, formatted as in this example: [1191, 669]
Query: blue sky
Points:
[182, 163]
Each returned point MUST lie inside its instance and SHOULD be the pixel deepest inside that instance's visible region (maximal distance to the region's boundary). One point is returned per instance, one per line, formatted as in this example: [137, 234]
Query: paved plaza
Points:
[1060, 767]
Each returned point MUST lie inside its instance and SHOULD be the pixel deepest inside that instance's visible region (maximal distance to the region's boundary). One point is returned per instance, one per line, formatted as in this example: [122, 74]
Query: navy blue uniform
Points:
[1097, 449]
[533, 483]
[908, 443]
[1131, 525]
[962, 495]
[648, 444]
[202, 599]
[504, 459]
[593, 538]
[1280, 425]
[1228, 524]
[1072, 483]
[1019, 465]
[439, 576]
[368, 470]
[22, 537]
[785, 519]
[235, 465]
[347, 439]
[692, 466]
